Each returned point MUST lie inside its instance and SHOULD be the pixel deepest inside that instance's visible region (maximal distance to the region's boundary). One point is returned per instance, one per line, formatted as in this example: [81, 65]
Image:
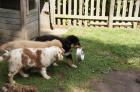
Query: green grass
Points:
[106, 50]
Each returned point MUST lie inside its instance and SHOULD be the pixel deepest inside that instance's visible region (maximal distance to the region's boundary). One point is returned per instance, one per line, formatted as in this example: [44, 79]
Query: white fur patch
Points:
[1, 59]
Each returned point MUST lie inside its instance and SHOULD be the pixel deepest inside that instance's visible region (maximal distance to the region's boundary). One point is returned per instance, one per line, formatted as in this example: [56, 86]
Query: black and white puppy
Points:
[67, 43]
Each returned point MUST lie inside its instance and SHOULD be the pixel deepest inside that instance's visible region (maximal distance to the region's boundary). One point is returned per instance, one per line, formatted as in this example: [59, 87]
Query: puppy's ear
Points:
[59, 56]
[63, 51]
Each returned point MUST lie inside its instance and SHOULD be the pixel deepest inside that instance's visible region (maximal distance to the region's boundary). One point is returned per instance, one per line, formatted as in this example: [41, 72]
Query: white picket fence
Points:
[95, 12]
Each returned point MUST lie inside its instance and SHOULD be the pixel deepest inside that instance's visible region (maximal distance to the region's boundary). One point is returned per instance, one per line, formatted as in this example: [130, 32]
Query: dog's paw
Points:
[55, 64]
[25, 75]
[47, 77]
[74, 66]
[13, 82]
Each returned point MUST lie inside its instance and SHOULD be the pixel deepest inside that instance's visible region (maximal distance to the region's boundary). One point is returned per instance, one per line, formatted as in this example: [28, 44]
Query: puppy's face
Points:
[59, 54]
[75, 45]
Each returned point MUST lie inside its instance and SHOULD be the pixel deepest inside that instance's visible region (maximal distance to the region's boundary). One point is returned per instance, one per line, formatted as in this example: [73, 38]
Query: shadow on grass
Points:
[100, 58]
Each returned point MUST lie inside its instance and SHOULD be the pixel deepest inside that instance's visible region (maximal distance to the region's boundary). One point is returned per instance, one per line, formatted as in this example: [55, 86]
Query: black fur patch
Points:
[66, 42]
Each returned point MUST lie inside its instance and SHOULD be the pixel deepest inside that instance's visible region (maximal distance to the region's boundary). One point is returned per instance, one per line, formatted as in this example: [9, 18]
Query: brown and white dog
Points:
[40, 58]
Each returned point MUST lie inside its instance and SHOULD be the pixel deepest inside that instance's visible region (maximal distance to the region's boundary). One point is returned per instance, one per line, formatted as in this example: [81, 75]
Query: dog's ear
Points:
[59, 55]
[63, 51]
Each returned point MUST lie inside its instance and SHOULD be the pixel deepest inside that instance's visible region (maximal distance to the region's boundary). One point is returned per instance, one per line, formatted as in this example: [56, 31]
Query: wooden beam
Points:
[127, 18]
[81, 17]
[23, 10]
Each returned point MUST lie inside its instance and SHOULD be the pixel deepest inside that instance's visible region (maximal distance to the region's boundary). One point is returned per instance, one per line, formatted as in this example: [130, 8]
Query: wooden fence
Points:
[109, 13]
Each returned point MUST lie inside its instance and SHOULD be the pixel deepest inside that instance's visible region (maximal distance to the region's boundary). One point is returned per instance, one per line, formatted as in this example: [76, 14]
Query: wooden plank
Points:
[80, 11]
[127, 18]
[32, 29]
[82, 17]
[124, 8]
[32, 13]
[136, 12]
[122, 24]
[9, 26]
[118, 7]
[92, 8]
[69, 11]
[86, 12]
[58, 6]
[9, 11]
[75, 12]
[111, 14]
[97, 7]
[10, 15]
[131, 3]
[9, 21]
[130, 8]
[58, 11]
[103, 7]
[64, 12]
[98, 23]
[31, 19]
[7, 35]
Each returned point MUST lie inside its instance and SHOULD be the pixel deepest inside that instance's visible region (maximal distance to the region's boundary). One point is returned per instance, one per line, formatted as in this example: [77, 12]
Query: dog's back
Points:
[29, 44]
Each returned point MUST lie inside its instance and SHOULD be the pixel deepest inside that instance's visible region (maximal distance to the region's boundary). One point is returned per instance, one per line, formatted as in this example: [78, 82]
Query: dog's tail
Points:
[5, 56]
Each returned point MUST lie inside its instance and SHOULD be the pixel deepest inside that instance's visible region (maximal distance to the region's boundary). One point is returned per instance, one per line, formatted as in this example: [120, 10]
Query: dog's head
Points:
[74, 41]
[59, 52]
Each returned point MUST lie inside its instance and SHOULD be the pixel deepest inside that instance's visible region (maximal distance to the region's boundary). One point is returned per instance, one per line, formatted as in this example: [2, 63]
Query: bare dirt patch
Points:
[118, 81]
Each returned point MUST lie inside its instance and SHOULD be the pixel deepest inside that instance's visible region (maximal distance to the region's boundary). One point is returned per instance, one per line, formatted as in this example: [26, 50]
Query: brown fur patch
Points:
[34, 57]
[38, 58]
[24, 60]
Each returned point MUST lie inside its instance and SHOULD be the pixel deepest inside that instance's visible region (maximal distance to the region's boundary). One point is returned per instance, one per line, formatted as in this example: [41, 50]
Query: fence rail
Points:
[109, 13]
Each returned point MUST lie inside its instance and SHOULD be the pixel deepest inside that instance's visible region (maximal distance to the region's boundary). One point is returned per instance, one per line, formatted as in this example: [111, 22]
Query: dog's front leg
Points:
[44, 73]
[11, 76]
[70, 61]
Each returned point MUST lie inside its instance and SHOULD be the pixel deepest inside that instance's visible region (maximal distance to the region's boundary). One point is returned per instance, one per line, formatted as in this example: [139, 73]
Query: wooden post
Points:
[23, 11]
[52, 11]
[111, 14]
[38, 7]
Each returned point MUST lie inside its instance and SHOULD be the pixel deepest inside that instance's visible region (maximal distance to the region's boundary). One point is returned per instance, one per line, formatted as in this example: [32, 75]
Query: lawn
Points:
[106, 50]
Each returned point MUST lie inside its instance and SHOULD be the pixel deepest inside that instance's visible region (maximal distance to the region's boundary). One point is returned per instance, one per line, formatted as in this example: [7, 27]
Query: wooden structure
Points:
[109, 13]
[19, 19]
